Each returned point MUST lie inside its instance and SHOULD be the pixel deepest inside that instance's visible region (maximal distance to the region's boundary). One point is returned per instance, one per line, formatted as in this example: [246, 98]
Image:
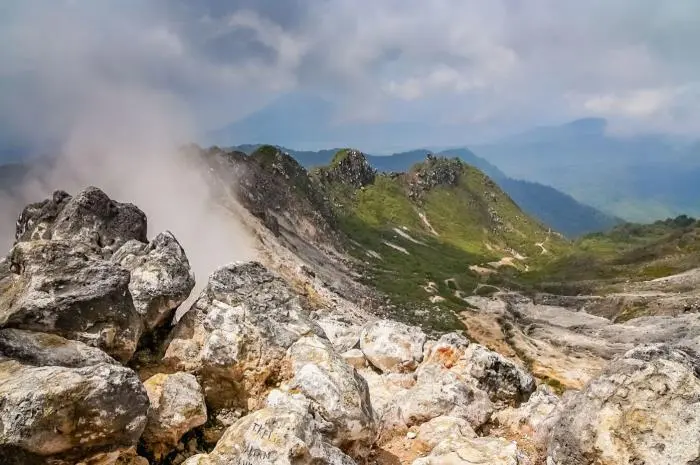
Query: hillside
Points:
[550, 206]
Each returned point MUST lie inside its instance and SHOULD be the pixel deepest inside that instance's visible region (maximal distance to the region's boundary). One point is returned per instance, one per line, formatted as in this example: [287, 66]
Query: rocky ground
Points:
[290, 361]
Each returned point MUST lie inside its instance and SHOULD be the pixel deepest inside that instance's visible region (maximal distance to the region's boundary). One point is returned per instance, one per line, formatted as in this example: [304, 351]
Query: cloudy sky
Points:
[497, 64]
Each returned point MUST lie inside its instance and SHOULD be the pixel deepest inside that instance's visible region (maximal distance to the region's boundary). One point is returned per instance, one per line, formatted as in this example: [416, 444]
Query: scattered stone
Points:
[392, 346]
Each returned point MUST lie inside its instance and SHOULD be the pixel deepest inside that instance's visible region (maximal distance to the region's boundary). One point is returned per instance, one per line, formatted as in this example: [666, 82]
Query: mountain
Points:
[552, 207]
[638, 178]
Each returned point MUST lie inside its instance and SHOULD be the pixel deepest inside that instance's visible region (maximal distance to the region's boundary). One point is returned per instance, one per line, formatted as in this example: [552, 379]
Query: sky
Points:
[492, 65]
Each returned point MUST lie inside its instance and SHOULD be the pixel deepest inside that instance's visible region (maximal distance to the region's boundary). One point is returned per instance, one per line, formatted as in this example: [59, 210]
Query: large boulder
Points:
[236, 335]
[343, 335]
[69, 410]
[90, 217]
[161, 277]
[533, 419]
[61, 288]
[643, 409]
[431, 433]
[392, 346]
[176, 406]
[339, 395]
[504, 381]
[273, 436]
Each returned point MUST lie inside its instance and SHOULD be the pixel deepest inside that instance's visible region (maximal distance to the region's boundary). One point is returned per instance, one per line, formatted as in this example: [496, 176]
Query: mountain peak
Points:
[351, 167]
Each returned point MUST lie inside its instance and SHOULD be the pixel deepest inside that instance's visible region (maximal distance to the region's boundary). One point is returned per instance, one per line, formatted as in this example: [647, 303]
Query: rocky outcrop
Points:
[433, 172]
[63, 401]
[533, 419]
[176, 406]
[161, 277]
[59, 287]
[392, 346]
[273, 436]
[349, 167]
[236, 336]
[90, 217]
[643, 408]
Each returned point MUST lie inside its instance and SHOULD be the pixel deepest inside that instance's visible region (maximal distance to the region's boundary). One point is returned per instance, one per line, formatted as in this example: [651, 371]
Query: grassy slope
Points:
[476, 223]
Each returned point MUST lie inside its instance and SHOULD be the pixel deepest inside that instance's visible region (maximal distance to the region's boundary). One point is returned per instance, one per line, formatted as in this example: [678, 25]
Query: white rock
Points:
[392, 346]
[177, 406]
[643, 408]
[472, 451]
[533, 418]
[338, 394]
[343, 335]
[433, 432]
[355, 358]
[273, 436]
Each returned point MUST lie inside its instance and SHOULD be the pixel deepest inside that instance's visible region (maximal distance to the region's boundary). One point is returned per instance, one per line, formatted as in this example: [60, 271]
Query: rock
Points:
[392, 346]
[350, 167]
[343, 335]
[236, 336]
[384, 390]
[161, 277]
[338, 394]
[41, 349]
[411, 435]
[59, 288]
[273, 436]
[431, 433]
[501, 378]
[90, 217]
[533, 418]
[472, 451]
[355, 358]
[439, 392]
[177, 406]
[63, 414]
[644, 409]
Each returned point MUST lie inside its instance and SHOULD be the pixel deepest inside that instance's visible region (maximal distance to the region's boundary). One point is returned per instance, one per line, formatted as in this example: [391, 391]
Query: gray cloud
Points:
[503, 63]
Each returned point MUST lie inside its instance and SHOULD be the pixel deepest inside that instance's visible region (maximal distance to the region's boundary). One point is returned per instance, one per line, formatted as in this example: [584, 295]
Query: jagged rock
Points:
[59, 288]
[90, 217]
[472, 451]
[63, 414]
[392, 346]
[350, 167]
[355, 358]
[161, 277]
[433, 172]
[643, 409]
[237, 334]
[41, 349]
[273, 436]
[176, 406]
[533, 418]
[440, 392]
[431, 433]
[501, 378]
[343, 335]
[339, 396]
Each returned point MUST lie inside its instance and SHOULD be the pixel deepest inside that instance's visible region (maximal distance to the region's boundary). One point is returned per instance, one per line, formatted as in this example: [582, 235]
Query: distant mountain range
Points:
[552, 207]
[639, 178]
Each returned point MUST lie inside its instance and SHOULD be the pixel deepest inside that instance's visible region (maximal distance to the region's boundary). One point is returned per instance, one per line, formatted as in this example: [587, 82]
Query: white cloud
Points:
[641, 103]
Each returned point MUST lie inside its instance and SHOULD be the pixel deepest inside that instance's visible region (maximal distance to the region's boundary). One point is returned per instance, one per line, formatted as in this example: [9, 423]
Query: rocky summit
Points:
[300, 359]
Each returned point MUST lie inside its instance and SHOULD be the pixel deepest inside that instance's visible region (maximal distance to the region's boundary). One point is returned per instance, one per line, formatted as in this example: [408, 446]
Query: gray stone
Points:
[161, 277]
[392, 346]
[60, 289]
